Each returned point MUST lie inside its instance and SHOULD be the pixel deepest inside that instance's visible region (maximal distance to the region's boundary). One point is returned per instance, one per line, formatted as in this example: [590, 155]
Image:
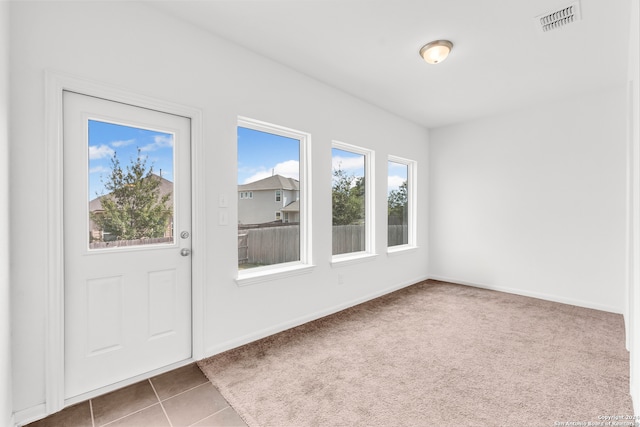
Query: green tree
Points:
[347, 198]
[133, 207]
[397, 205]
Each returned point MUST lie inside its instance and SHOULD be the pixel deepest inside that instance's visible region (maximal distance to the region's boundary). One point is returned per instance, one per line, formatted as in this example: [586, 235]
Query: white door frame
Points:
[55, 84]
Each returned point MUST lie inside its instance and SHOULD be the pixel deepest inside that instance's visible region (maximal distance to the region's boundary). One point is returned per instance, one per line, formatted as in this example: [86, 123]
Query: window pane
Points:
[397, 204]
[348, 201]
[130, 186]
[268, 165]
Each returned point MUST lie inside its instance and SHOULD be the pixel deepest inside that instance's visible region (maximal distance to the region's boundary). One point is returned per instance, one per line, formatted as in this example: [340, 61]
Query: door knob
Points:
[185, 252]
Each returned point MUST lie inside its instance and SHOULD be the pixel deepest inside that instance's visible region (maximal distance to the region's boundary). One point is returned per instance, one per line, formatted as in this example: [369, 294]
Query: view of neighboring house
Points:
[275, 198]
[95, 207]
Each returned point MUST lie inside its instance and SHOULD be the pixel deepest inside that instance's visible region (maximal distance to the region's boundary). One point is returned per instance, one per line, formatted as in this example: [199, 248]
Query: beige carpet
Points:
[433, 354]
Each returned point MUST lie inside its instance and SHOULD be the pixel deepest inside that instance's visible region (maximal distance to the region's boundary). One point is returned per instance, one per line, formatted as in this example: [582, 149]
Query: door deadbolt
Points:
[184, 234]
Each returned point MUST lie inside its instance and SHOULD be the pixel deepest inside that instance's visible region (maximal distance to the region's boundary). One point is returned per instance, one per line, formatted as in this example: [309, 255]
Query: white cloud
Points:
[99, 169]
[163, 140]
[122, 143]
[394, 182]
[100, 152]
[159, 141]
[396, 165]
[257, 176]
[288, 169]
[347, 164]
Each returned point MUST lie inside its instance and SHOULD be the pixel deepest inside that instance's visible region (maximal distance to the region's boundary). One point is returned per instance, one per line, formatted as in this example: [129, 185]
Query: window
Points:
[352, 200]
[400, 202]
[272, 160]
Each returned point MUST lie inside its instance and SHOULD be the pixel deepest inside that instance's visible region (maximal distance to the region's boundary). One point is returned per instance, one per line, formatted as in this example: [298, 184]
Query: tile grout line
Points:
[160, 401]
[93, 421]
[125, 416]
[183, 392]
[209, 416]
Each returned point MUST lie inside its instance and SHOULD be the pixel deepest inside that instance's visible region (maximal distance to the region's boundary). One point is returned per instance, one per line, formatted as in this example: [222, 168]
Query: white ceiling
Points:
[369, 48]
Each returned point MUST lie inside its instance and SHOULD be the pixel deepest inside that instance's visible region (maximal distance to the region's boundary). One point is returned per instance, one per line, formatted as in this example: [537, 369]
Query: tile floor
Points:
[180, 398]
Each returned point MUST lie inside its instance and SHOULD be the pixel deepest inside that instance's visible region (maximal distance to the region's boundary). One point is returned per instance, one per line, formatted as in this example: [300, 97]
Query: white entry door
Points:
[127, 241]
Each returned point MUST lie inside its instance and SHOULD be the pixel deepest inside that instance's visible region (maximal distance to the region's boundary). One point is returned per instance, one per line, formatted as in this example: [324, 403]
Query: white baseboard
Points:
[627, 331]
[29, 415]
[263, 333]
[38, 412]
[538, 295]
[634, 384]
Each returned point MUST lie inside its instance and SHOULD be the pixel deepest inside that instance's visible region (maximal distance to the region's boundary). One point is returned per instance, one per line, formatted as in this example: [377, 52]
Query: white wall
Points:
[633, 322]
[6, 406]
[533, 201]
[135, 47]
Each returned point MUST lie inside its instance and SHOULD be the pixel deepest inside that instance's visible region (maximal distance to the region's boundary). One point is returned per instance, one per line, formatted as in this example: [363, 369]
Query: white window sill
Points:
[251, 277]
[352, 258]
[400, 249]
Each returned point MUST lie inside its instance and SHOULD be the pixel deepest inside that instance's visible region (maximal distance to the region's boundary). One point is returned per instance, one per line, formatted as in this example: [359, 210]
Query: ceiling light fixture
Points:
[436, 51]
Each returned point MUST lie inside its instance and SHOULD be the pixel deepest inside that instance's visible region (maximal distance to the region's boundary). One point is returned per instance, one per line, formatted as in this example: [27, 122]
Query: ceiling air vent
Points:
[558, 18]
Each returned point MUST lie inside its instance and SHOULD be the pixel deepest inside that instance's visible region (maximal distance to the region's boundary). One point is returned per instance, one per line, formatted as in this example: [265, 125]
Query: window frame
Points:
[412, 203]
[304, 265]
[369, 251]
[278, 195]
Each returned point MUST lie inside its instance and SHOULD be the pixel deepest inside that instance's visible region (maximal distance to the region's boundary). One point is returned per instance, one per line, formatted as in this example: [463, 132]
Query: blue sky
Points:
[396, 176]
[105, 139]
[351, 163]
[262, 154]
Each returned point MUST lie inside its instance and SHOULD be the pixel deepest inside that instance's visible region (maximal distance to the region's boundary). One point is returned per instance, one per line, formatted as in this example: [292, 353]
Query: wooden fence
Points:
[267, 246]
[243, 247]
[397, 235]
[347, 238]
[136, 242]
[275, 245]
[351, 238]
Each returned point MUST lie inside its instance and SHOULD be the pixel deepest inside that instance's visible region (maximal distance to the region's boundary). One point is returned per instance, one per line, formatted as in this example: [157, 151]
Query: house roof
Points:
[166, 187]
[275, 182]
[292, 207]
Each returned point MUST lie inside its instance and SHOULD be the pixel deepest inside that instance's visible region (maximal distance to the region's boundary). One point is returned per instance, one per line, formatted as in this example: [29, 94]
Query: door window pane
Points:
[130, 186]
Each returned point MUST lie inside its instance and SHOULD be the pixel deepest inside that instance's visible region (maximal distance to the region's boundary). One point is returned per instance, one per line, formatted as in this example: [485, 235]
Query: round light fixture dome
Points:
[436, 51]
